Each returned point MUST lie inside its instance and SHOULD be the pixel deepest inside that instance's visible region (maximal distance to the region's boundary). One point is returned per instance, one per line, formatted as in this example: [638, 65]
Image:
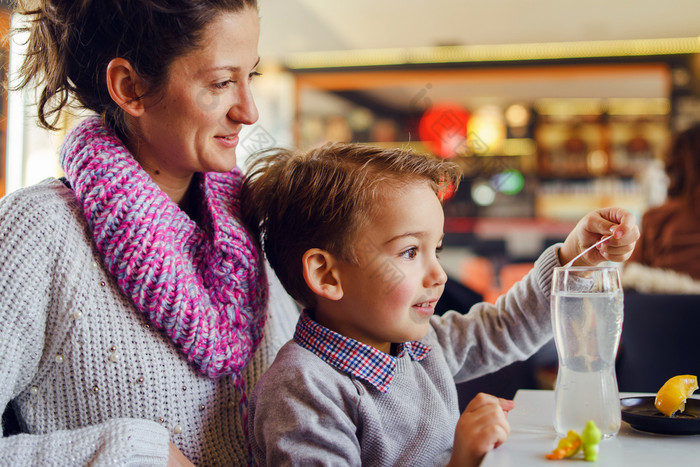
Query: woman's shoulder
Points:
[39, 212]
[45, 196]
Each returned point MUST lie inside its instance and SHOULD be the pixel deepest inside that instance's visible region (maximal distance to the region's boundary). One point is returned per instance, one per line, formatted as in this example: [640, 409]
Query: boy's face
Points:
[391, 294]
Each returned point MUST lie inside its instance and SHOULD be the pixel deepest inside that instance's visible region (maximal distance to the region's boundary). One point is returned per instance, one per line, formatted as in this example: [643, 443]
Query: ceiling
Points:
[498, 88]
[296, 26]
[290, 26]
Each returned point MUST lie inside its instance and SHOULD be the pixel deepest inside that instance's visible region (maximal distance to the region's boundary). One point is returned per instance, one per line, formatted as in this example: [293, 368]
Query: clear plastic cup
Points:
[587, 314]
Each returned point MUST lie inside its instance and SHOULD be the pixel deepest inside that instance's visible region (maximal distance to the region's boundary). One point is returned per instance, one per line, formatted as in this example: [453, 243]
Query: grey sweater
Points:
[305, 412]
[93, 381]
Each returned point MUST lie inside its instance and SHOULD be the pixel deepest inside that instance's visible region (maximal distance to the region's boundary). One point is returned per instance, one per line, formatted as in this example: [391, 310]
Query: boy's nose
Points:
[437, 275]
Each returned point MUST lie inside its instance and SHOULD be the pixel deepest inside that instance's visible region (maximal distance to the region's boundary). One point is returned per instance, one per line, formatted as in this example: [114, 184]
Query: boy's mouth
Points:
[426, 305]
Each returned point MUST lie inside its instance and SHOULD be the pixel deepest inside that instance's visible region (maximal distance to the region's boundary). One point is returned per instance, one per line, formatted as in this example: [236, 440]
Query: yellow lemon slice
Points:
[672, 395]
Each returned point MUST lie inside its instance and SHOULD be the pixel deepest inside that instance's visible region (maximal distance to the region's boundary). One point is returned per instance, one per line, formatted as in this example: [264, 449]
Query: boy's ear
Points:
[321, 274]
[125, 86]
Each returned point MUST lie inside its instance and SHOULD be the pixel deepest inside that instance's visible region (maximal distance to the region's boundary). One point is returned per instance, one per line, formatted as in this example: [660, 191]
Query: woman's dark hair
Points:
[71, 42]
[683, 165]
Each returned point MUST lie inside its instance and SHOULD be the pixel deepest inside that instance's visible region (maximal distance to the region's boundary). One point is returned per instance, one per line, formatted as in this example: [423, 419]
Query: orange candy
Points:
[566, 447]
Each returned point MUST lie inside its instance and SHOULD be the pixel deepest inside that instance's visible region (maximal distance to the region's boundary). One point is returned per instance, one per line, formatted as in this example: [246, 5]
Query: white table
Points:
[532, 436]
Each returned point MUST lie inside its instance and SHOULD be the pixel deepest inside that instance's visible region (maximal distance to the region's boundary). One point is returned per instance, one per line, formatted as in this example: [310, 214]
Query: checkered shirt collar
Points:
[350, 356]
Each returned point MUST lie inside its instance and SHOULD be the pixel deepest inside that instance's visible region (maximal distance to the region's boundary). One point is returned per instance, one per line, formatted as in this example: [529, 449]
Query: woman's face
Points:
[193, 125]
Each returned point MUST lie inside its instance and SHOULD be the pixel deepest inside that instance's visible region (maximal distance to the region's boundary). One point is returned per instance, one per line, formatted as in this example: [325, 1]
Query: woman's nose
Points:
[244, 110]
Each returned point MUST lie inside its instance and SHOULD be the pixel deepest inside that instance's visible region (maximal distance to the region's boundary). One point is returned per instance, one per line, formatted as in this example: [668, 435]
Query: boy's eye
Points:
[438, 250]
[410, 253]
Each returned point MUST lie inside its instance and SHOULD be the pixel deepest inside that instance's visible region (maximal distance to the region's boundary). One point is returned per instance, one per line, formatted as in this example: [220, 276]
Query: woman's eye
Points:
[438, 250]
[253, 75]
[409, 253]
[223, 84]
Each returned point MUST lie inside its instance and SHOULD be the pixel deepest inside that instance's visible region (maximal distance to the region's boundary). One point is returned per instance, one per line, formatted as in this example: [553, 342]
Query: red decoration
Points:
[446, 192]
[443, 129]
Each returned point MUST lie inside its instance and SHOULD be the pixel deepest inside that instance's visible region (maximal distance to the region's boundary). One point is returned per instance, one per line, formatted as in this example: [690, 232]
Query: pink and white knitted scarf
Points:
[205, 287]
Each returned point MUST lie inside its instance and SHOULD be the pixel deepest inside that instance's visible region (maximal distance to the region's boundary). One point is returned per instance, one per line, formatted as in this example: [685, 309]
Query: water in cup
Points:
[587, 314]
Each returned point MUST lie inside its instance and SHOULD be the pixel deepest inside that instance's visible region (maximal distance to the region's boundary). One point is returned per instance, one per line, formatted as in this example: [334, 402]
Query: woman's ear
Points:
[125, 86]
[321, 275]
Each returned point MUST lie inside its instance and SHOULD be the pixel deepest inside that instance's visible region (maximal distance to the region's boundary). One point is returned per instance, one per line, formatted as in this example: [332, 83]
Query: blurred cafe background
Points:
[552, 107]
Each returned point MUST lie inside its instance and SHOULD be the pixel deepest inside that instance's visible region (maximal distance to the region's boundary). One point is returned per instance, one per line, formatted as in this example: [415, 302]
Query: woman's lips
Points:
[229, 141]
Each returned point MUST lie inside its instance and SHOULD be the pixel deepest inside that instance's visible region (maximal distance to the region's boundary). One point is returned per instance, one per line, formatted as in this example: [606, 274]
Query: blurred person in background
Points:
[670, 233]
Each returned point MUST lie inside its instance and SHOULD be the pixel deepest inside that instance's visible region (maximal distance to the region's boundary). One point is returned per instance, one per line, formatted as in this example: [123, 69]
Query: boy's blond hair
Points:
[295, 201]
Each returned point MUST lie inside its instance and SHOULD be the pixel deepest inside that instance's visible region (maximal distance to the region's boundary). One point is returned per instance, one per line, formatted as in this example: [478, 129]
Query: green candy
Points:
[590, 437]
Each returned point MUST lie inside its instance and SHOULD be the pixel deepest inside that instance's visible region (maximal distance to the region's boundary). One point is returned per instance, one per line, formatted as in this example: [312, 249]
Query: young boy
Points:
[353, 232]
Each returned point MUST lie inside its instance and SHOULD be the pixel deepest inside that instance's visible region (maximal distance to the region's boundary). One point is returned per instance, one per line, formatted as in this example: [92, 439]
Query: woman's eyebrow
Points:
[232, 68]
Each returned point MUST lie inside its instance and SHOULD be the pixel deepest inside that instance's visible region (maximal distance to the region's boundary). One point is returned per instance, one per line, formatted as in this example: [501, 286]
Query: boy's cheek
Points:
[404, 294]
[388, 277]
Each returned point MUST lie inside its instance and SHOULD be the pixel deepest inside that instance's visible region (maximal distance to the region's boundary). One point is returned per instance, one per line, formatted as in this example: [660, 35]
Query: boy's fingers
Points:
[479, 400]
[482, 399]
[506, 404]
[621, 223]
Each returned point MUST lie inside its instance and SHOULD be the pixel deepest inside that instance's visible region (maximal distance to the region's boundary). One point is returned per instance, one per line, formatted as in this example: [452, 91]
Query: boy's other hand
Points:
[481, 427]
[595, 225]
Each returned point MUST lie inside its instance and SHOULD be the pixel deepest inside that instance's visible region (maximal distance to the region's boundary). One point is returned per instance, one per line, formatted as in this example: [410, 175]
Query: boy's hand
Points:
[594, 226]
[481, 427]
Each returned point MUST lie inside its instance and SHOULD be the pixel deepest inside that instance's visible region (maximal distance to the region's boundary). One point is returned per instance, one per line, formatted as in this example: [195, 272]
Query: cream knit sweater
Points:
[93, 382]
